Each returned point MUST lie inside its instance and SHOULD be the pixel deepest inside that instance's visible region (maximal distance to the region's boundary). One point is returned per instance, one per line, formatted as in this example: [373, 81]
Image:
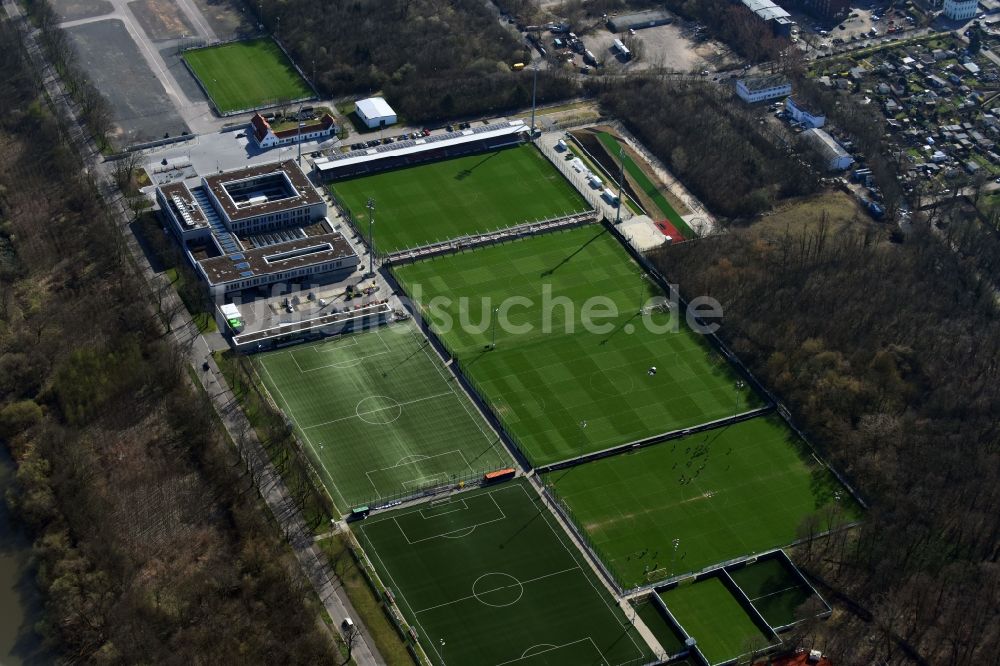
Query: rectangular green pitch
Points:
[247, 74]
[776, 591]
[487, 577]
[379, 414]
[460, 196]
[564, 378]
[710, 614]
[722, 494]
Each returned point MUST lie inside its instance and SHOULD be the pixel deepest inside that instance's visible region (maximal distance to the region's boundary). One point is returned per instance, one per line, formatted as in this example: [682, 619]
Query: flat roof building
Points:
[759, 88]
[803, 114]
[834, 156]
[254, 226]
[639, 20]
[375, 112]
[771, 14]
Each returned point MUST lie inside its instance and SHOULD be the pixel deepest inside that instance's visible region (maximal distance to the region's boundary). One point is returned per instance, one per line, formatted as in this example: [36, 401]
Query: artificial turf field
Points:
[773, 589]
[379, 414]
[247, 74]
[460, 196]
[708, 612]
[488, 578]
[566, 389]
[724, 493]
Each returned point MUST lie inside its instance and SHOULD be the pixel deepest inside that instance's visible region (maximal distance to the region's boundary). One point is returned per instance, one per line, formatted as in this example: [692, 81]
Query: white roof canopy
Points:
[374, 107]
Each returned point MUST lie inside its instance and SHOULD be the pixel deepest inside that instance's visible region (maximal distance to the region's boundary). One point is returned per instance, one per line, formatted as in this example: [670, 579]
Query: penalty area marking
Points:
[549, 647]
[408, 460]
[456, 533]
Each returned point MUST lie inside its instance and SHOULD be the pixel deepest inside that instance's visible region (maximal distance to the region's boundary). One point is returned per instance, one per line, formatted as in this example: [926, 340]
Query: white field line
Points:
[520, 582]
[372, 411]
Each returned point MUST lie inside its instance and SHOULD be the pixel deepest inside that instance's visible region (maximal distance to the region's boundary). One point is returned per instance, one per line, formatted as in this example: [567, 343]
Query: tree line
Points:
[149, 538]
[887, 354]
[432, 60]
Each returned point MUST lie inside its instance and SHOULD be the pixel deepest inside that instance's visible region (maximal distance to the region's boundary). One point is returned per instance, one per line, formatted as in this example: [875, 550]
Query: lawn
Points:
[651, 190]
[669, 638]
[461, 196]
[379, 414]
[247, 75]
[566, 377]
[725, 493]
[710, 614]
[774, 589]
[488, 578]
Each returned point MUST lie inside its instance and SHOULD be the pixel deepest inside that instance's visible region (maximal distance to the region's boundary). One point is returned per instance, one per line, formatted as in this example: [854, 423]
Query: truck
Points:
[590, 58]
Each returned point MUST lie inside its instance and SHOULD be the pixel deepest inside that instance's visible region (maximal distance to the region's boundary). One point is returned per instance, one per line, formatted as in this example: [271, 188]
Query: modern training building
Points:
[375, 112]
[759, 88]
[265, 137]
[254, 227]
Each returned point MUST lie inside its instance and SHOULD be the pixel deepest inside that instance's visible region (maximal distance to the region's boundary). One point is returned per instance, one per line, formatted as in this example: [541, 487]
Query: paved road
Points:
[197, 350]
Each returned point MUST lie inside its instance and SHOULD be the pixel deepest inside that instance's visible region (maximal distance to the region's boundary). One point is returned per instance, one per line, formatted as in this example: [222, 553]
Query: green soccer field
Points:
[380, 414]
[247, 74]
[576, 382]
[774, 590]
[488, 578]
[710, 614]
[460, 196]
[724, 493]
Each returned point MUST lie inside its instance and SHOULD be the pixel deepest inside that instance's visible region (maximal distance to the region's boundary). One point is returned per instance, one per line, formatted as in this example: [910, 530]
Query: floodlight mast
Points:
[621, 178]
[534, 88]
[370, 205]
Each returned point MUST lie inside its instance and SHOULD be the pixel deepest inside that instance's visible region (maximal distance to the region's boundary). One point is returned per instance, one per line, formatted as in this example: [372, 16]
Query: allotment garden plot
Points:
[488, 578]
[247, 74]
[380, 414]
[560, 388]
[460, 196]
[724, 493]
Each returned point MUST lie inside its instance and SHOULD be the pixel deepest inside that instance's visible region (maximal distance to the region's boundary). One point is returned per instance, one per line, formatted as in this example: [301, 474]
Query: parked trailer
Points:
[595, 182]
[609, 196]
[622, 49]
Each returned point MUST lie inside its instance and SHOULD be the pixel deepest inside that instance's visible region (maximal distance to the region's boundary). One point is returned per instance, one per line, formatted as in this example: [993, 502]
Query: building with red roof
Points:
[265, 137]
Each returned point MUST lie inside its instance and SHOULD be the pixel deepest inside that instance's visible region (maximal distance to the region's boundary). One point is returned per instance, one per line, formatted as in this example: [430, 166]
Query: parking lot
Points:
[677, 47]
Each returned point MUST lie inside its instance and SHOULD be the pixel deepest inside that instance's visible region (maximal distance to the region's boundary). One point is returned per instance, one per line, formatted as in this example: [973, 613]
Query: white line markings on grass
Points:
[463, 507]
[771, 594]
[549, 647]
[360, 414]
[520, 583]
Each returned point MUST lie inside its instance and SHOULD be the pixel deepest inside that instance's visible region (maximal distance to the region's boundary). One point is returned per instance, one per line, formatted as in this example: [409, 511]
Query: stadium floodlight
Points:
[493, 345]
[370, 205]
[621, 178]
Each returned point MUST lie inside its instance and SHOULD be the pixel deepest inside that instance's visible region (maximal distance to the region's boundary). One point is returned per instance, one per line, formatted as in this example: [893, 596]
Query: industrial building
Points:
[265, 137]
[835, 158]
[639, 20]
[960, 10]
[759, 88]
[255, 227]
[375, 112]
[772, 15]
[802, 114]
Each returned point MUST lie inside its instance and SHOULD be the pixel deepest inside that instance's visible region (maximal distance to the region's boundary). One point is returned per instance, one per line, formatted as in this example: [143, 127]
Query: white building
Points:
[759, 88]
[960, 10]
[834, 155]
[802, 114]
[375, 112]
[265, 136]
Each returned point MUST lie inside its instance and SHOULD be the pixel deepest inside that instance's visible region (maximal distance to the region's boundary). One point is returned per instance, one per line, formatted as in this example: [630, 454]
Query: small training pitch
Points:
[487, 577]
[725, 493]
[710, 614]
[247, 75]
[461, 196]
[380, 415]
[776, 591]
[560, 387]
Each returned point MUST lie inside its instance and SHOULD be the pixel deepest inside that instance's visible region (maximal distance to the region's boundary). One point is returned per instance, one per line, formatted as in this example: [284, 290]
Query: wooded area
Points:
[888, 355]
[432, 60]
[150, 540]
[711, 141]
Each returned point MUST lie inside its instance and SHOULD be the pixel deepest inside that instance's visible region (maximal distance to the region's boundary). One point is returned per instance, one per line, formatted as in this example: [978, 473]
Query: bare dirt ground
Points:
[140, 107]
[226, 19]
[71, 10]
[161, 19]
[665, 46]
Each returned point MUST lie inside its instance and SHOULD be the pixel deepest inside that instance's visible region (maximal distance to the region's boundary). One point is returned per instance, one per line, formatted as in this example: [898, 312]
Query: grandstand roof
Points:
[412, 146]
[766, 9]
